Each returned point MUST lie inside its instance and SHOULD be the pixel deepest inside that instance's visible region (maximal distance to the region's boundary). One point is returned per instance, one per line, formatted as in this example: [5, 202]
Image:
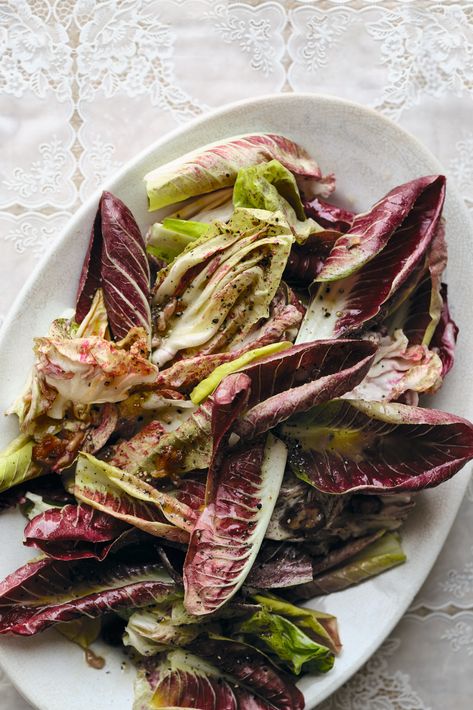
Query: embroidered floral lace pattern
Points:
[86, 84]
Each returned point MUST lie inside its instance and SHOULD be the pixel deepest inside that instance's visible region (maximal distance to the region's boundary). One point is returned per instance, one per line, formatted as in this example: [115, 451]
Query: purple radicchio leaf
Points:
[398, 369]
[419, 314]
[227, 404]
[306, 260]
[229, 531]
[216, 166]
[248, 665]
[74, 532]
[280, 564]
[329, 216]
[49, 487]
[90, 278]
[116, 261]
[46, 591]
[298, 378]
[352, 445]
[128, 498]
[242, 679]
[376, 260]
[97, 436]
[128, 454]
[445, 335]
[124, 268]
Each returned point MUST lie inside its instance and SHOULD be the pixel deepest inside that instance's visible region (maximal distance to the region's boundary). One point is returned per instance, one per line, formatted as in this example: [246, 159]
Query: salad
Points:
[234, 419]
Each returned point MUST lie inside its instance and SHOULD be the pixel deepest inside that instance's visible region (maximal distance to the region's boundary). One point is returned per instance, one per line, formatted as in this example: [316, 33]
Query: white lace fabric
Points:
[85, 84]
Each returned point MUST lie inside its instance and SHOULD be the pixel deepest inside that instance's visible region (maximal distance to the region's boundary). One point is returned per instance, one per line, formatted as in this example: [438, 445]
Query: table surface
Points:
[86, 84]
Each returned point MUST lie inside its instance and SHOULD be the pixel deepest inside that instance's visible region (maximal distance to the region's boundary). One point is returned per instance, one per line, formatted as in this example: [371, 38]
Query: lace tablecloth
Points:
[86, 84]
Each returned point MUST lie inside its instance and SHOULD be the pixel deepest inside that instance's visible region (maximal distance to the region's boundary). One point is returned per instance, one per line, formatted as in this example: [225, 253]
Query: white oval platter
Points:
[369, 155]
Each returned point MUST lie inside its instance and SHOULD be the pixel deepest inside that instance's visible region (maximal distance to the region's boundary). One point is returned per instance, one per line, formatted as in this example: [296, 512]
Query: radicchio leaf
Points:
[216, 166]
[377, 556]
[91, 370]
[306, 260]
[128, 454]
[90, 278]
[228, 533]
[74, 532]
[181, 679]
[445, 335]
[296, 379]
[126, 497]
[116, 261]
[398, 368]
[44, 592]
[380, 253]
[328, 215]
[280, 565]
[349, 445]
[284, 320]
[420, 313]
[124, 268]
[249, 666]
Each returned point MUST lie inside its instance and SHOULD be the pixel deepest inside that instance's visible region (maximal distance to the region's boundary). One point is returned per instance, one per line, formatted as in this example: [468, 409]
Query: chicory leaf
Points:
[90, 278]
[349, 445]
[379, 556]
[271, 186]
[165, 241]
[229, 531]
[181, 679]
[284, 319]
[329, 216]
[131, 499]
[16, 463]
[414, 208]
[124, 268]
[378, 256]
[296, 379]
[91, 370]
[420, 313]
[215, 166]
[47, 591]
[279, 565]
[212, 295]
[306, 260]
[73, 532]
[95, 322]
[445, 335]
[398, 368]
[207, 386]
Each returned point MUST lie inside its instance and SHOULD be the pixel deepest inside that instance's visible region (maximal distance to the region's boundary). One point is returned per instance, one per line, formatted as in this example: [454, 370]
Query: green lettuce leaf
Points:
[319, 626]
[270, 186]
[16, 463]
[286, 642]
